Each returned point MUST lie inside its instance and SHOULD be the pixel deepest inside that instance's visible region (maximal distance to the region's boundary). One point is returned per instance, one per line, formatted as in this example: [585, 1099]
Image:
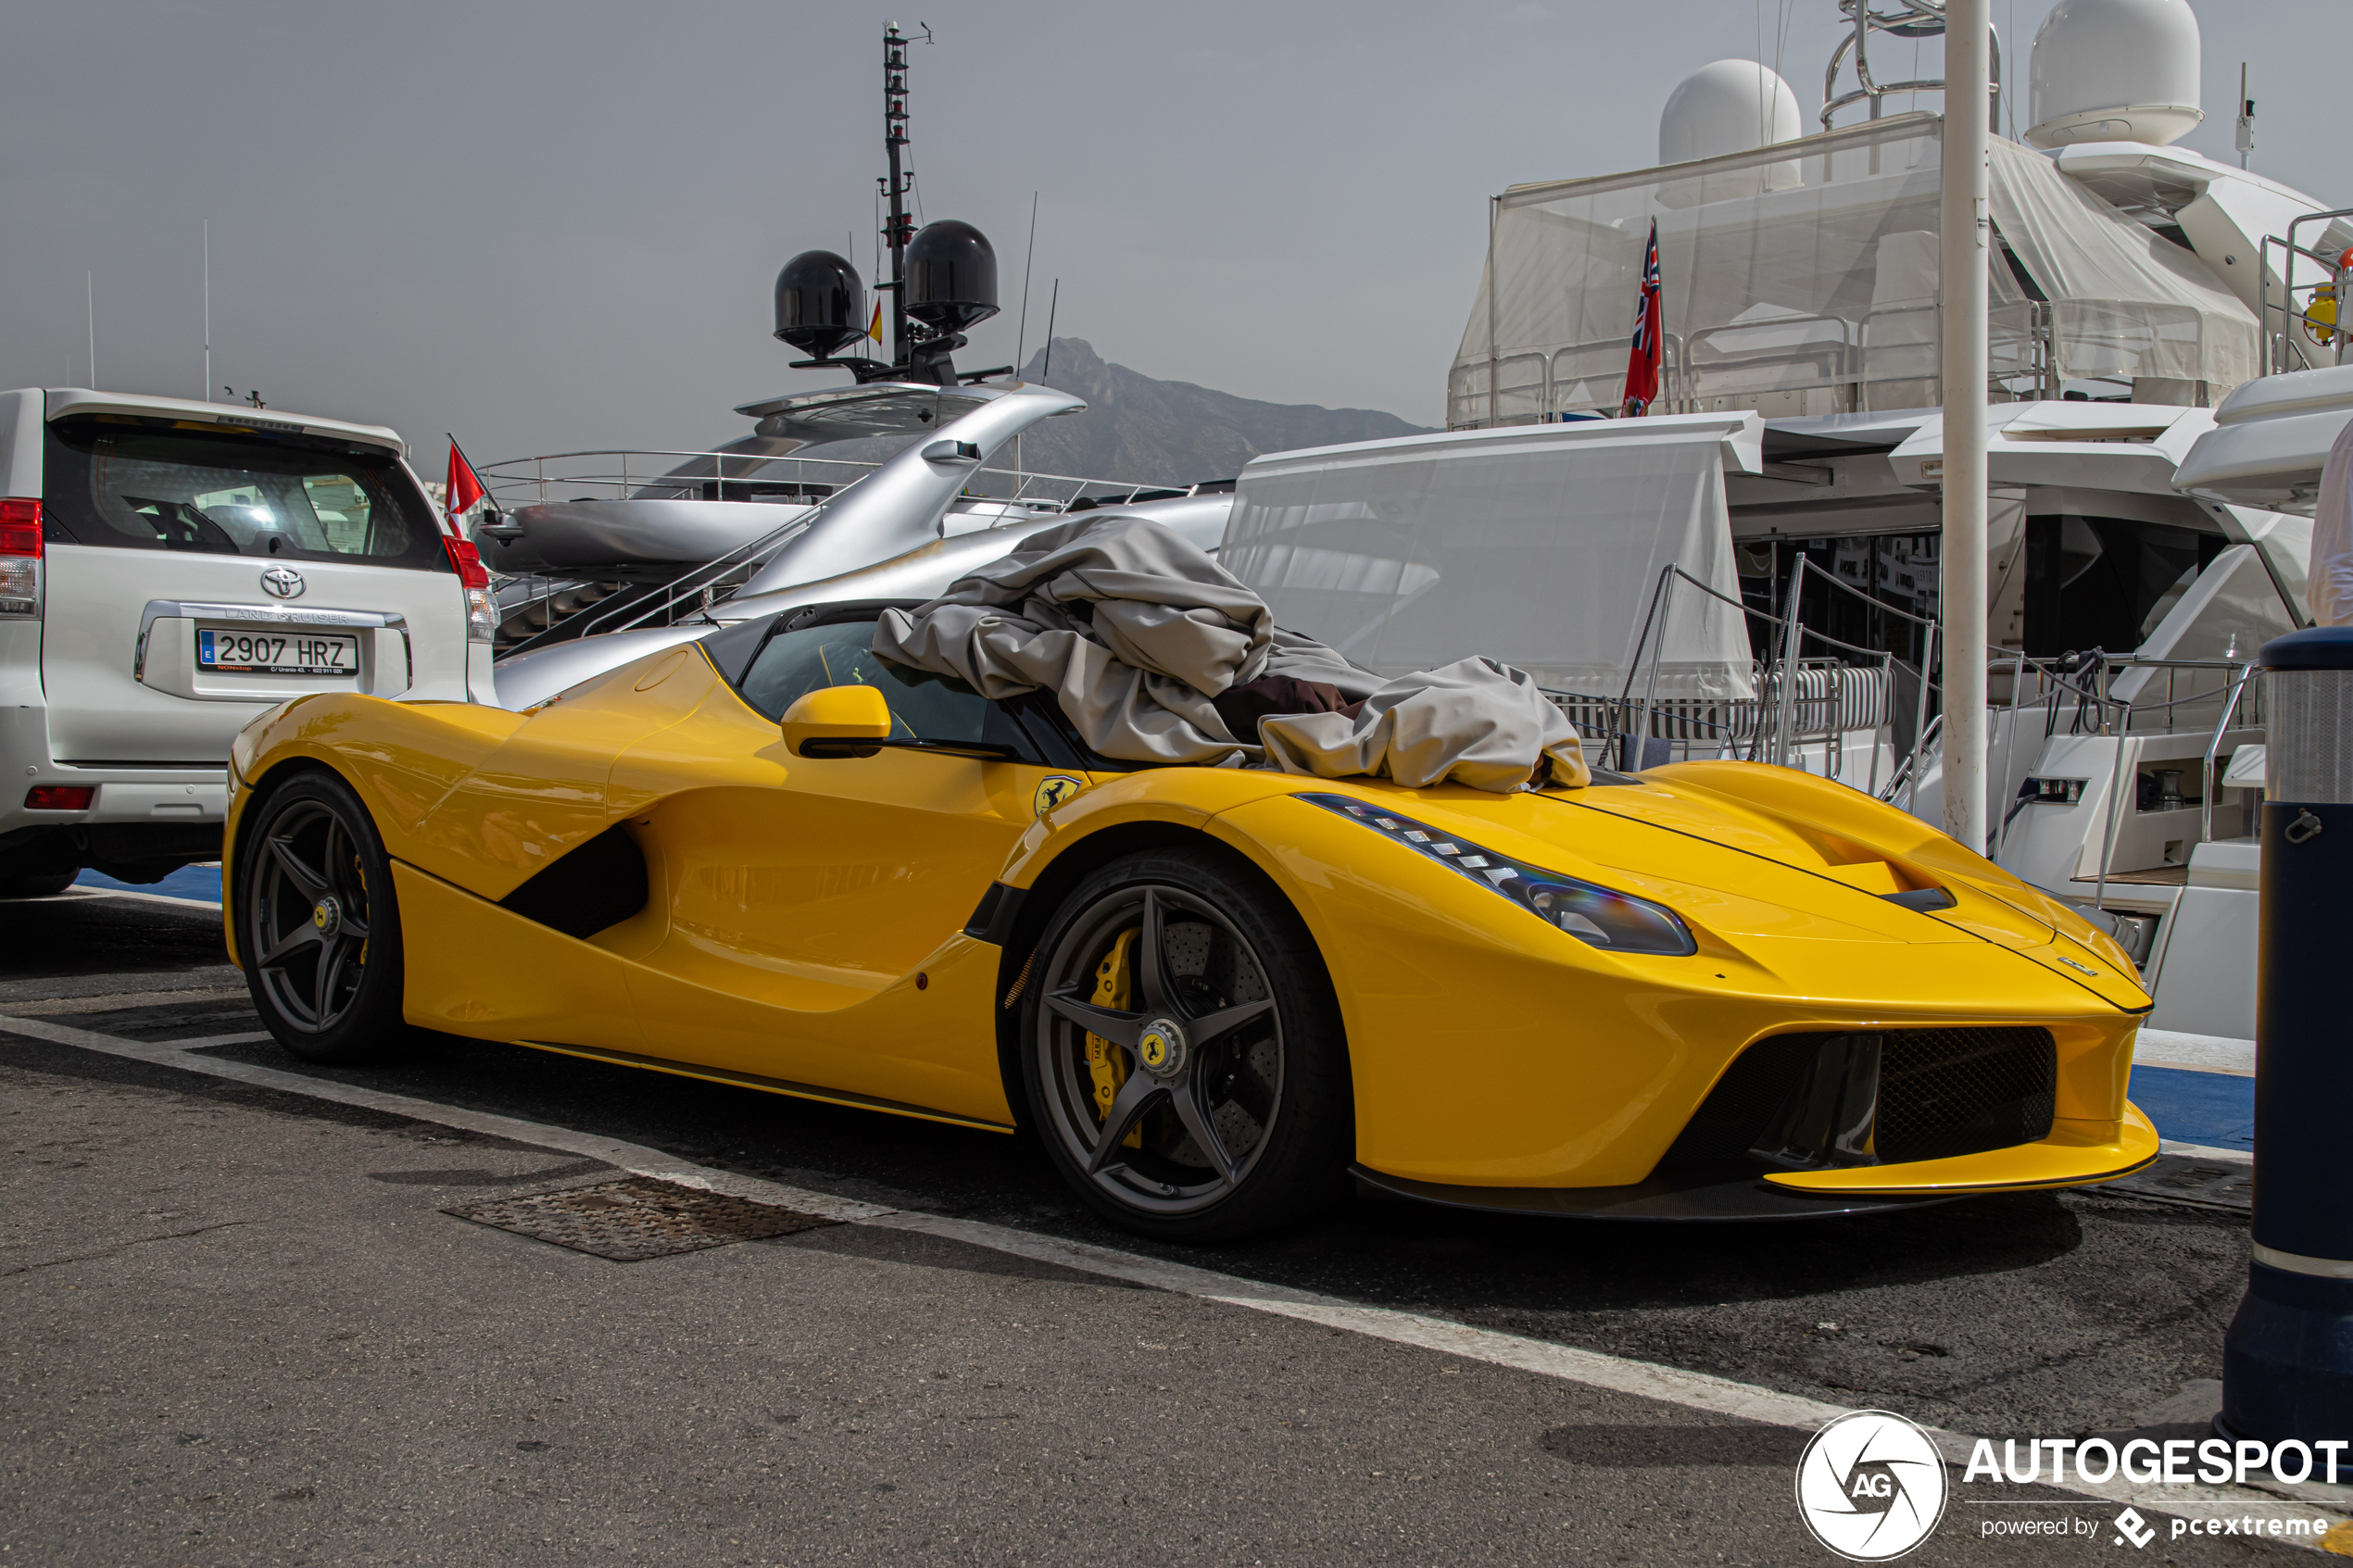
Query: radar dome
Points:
[2114, 70]
[820, 302]
[1729, 106]
[951, 276]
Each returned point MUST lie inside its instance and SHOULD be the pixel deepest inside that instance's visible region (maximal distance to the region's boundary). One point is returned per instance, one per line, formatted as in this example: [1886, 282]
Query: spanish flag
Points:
[873, 328]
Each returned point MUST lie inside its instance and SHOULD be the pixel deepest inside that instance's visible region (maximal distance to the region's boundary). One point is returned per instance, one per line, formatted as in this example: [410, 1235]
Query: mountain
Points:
[1153, 432]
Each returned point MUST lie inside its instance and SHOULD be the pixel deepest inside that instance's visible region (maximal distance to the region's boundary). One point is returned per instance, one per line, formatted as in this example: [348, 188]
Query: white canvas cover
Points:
[1539, 545]
[1803, 279]
[2127, 304]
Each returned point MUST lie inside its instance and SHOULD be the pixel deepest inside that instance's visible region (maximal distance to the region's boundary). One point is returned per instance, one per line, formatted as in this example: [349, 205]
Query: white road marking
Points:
[120, 1001]
[2200, 1053]
[1594, 1369]
[210, 906]
[2205, 1151]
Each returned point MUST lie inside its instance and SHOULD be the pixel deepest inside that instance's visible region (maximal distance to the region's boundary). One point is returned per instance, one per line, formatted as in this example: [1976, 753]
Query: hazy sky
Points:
[555, 226]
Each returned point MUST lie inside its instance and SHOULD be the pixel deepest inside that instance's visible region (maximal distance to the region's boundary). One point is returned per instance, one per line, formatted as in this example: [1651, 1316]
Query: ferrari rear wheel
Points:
[317, 924]
[1183, 1053]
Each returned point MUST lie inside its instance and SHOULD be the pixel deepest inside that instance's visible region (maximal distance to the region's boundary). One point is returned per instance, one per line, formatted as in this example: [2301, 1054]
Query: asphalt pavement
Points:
[246, 1328]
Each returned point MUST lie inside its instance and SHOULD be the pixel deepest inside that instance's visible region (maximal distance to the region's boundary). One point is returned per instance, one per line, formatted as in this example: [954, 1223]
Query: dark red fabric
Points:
[1243, 707]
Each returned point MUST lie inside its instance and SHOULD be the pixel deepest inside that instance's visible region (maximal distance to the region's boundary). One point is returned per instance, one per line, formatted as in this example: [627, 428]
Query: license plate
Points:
[279, 653]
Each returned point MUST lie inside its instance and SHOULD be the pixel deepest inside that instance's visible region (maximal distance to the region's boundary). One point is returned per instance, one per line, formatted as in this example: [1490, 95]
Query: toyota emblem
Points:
[282, 582]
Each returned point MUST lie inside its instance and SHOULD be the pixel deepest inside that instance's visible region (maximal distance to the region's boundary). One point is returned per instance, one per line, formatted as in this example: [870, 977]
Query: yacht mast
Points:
[1966, 192]
[899, 229]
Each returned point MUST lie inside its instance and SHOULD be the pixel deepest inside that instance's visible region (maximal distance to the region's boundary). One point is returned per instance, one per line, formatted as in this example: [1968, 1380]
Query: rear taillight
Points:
[19, 556]
[468, 561]
[59, 797]
[482, 619]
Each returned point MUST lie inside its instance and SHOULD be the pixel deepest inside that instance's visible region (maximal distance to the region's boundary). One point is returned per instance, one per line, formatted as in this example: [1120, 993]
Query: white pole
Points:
[208, 309]
[90, 303]
[1967, 88]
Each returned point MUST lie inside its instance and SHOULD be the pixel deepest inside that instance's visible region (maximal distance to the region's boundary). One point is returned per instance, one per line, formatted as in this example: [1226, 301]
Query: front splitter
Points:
[1719, 1196]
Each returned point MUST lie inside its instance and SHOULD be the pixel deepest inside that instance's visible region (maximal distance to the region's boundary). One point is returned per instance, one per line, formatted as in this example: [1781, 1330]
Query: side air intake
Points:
[594, 888]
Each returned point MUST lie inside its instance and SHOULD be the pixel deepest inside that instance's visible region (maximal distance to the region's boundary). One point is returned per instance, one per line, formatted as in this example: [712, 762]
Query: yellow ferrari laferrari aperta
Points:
[772, 860]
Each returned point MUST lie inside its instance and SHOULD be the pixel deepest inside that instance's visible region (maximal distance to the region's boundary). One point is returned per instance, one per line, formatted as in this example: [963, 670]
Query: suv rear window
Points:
[158, 485]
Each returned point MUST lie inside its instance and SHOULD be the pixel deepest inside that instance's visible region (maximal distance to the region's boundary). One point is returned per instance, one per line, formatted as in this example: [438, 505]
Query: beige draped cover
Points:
[1135, 629]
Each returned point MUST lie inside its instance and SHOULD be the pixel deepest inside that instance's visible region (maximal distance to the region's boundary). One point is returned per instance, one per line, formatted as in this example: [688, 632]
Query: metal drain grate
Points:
[638, 1218]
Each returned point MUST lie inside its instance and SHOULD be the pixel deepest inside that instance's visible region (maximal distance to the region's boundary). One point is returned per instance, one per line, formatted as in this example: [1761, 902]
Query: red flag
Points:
[464, 487]
[1641, 363]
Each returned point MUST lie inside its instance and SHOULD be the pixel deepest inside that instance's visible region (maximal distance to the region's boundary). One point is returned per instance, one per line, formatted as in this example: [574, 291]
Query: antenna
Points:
[208, 309]
[1020, 338]
[2246, 118]
[90, 303]
[1052, 308]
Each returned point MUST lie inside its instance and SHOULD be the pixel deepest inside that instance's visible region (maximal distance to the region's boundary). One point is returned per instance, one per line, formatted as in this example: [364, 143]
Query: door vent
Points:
[597, 886]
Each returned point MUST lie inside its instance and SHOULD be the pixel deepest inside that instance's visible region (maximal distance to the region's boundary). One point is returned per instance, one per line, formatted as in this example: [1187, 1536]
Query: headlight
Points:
[1596, 915]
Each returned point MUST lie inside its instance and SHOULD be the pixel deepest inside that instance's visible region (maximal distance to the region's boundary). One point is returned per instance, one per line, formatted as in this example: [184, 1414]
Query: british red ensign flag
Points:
[1641, 363]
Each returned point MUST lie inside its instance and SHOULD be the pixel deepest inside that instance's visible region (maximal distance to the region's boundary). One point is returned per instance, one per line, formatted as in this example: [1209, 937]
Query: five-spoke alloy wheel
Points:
[1183, 1056]
[316, 925]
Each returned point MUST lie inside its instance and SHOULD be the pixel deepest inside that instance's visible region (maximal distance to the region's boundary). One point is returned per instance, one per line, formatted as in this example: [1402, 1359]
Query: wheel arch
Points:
[272, 778]
[1072, 865]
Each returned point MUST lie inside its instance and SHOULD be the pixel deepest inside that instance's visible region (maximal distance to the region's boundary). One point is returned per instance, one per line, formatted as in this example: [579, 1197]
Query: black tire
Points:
[1257, 1059]
[38, 884]
[318, 925]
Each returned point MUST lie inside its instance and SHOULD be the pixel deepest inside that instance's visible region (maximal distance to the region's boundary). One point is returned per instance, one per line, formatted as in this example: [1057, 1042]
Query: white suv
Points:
[170, 569]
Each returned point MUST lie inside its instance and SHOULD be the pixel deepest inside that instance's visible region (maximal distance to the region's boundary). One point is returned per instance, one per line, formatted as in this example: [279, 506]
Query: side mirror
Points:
[836, 718]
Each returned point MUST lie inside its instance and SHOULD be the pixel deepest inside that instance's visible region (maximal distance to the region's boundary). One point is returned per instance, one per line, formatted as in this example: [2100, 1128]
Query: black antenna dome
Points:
[820, 302]
[951, 276]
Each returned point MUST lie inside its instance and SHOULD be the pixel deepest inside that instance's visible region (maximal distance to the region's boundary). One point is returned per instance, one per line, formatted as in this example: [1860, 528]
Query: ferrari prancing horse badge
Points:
[1053, 791]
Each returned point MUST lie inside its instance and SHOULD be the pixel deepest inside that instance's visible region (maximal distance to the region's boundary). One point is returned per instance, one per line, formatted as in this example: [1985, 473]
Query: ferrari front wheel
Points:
[317, 924]
[1183, 1052]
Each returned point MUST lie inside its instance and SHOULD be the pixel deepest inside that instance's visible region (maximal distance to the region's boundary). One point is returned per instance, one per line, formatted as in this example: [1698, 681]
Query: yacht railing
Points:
[700, 585]
[1802, 700]
[1690, 380]
[2326, 332]
[653, 473]
[734, 476]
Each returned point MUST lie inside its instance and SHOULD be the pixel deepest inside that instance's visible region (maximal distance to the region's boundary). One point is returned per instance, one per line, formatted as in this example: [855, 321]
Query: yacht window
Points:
[2104, 582]
[145, 484]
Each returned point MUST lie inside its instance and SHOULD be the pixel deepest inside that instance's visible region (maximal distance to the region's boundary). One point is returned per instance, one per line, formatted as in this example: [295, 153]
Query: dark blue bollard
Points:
[2287, 1361]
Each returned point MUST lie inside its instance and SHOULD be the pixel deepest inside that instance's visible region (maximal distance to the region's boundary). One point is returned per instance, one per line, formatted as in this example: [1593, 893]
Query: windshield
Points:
[163, 485]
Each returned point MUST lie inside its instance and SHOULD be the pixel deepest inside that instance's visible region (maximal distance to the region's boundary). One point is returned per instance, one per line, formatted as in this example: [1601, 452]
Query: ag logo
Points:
[1870, 1486]
[1052, 792]
[282, 582]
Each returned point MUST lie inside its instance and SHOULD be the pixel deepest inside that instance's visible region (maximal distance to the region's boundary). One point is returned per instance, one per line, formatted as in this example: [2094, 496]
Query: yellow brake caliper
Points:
[1106, 1063]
